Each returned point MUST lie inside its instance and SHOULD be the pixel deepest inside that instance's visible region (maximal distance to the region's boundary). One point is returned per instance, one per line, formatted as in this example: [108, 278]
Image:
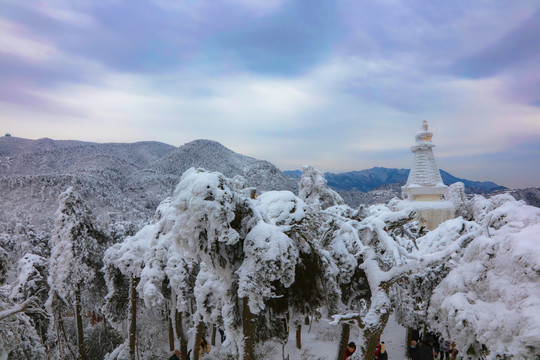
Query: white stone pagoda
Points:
[424, 189]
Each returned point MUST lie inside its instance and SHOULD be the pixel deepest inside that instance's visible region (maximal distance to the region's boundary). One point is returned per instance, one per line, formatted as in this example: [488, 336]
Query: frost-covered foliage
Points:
[313, 189]
[211, 245]
[22, 320]
[19, 338]
[75, 280]
[77, 247]
[3, 265]
[32, 273]
[440, 250]
[140, 259]
[456, 195]
[492, 294]
[20, 239]
[270, 256]
[216, 254]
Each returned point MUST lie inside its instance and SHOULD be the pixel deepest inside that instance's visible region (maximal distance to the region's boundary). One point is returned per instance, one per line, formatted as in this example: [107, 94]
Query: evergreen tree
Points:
[77, 246]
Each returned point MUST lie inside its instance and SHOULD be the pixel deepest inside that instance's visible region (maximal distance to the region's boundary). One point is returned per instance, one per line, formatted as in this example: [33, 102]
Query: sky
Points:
[342, 85]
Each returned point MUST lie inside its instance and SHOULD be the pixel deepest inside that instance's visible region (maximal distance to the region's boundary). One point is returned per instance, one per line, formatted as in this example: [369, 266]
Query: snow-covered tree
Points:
[77, 246]
[492, 294]
[237, 256]
[22, 319]
[456, 194]
[219, 227]
[314, 191]
[18, 336]
[123, 265]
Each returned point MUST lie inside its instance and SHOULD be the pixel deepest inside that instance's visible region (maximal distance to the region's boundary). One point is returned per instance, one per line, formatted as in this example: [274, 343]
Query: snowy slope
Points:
[121, 181]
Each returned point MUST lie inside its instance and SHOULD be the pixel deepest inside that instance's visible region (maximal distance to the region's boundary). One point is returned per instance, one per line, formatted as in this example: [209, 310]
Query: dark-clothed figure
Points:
[422, 350]
[176, 355]
[382, 354]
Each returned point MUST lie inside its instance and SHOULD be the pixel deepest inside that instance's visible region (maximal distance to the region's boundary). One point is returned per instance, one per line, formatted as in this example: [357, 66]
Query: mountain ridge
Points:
[120, 181]
[373, 178]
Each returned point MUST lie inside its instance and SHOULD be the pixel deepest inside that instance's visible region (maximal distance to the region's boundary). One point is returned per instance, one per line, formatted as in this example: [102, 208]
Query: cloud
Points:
[15, 41]
[341, 85]
[519, 46]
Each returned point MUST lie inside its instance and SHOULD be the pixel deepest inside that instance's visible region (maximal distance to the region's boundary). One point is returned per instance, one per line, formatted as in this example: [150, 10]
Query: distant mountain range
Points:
[374, 178]
[124, 182]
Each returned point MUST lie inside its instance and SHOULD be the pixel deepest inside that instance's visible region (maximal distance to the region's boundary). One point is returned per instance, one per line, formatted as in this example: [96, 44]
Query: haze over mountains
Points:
[126, 181]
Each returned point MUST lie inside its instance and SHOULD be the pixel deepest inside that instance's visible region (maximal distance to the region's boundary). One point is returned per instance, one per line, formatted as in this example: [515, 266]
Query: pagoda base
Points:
[429, 213]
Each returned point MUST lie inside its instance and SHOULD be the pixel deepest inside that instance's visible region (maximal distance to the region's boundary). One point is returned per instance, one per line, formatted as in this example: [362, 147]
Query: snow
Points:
[493, 293]
[281, 207]
[424, 205]
[270, 256]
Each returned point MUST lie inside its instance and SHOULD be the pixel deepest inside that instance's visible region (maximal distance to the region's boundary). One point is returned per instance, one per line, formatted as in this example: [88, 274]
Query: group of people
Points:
[380, 350]
[204, 348]
[433, 347]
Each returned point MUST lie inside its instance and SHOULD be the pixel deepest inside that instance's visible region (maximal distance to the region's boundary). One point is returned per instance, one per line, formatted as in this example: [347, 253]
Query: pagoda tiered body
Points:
[424, 182]
[424, 189]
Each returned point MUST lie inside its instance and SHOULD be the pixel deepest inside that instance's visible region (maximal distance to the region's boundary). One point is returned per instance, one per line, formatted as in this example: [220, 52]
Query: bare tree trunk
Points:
[180, 333]
[171, 333]
[343, 340]
[78, 317]
[371, 337]
[299, 336]
[248, 322]
[132, 315]
[214, 331]
[198, 337]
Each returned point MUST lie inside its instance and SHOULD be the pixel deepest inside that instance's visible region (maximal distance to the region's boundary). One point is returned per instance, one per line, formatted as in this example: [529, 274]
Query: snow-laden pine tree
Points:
[32, 273]
[374, 249]
[220, 227]
[210, 257]
[491, 296]
[21, 317]
[18, 336]
[287, 216]
[123, 266]
[77, 247]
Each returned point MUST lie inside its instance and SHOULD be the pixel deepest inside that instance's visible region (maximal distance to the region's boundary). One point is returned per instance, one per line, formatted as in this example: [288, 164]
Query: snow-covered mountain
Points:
[213, 156]
[121, 181]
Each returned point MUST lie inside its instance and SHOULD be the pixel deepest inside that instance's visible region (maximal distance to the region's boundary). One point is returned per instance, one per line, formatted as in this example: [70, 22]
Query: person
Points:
[204, 348]
[453, 351]
[380, 352]
[437, 340]
[222, 334]
[176, 355]
[422, 350]
[444, 350]
[351, 348]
